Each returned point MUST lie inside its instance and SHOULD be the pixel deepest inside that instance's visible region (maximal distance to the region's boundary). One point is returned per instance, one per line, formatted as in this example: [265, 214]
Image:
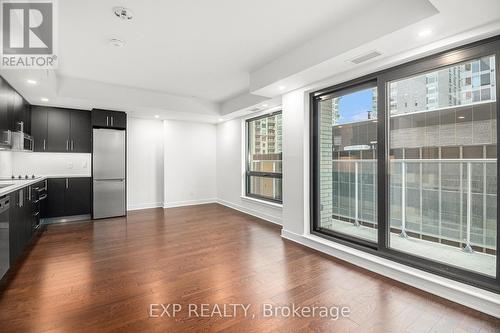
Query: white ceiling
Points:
[202, 60]
[195, 48]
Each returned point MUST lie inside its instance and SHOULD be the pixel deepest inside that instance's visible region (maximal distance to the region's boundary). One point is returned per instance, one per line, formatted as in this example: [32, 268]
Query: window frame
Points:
[443, 59]
[249, 173]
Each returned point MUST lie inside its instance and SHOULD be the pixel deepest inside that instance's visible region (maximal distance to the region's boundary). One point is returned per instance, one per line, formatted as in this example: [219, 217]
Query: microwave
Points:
[22, 141]
[5, 139]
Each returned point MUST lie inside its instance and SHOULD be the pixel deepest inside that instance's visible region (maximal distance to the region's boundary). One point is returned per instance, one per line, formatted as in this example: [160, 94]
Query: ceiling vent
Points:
[365, 57]
[123, 13]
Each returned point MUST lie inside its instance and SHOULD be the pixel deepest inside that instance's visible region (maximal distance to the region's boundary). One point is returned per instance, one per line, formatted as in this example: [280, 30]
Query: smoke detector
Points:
[123, 13]
[116, 42]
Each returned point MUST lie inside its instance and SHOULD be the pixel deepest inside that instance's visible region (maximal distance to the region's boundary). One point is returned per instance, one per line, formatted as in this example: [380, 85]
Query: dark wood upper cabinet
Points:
[58, 130]
[61, 130]
[14, 109]
[4, 115]
[39, 126]
[81, 131]
[109, 119]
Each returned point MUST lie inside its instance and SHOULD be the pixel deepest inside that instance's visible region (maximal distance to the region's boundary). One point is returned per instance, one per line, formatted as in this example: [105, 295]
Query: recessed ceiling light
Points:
[123, 13]
[461, 117]
[425, 33]
[30, 81]
[116, 42]
[44, 99]
[265, 105]
[281, 87]
[157, 116]
[221, 119]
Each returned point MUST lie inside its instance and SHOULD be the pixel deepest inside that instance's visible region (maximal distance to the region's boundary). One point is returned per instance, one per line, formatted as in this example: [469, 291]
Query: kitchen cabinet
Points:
[56, 193]
[39, 121]
[109, 119]
[20, 222]
[14, 109]
[81, 131]
[68, 197]
[4, 105]
[58, 130]
[61, 130]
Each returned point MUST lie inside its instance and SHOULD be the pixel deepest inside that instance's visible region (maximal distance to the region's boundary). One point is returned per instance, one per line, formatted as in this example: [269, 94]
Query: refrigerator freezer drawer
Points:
[109, 198]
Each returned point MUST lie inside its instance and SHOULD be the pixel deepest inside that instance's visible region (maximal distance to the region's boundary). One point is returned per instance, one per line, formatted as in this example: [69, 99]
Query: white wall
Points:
[295, 163]
[144, 163]
[189, 163]
[51, 164]
[230, 173]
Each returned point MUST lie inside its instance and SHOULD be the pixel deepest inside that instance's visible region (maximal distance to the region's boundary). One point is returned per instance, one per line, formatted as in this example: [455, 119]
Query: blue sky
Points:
[354, 107]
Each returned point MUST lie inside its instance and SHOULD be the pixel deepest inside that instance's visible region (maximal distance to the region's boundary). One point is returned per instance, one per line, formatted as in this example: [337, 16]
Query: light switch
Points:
[70, 165]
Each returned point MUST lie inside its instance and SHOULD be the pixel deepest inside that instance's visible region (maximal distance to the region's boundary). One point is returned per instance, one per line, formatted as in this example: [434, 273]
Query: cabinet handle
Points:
[43, 144]
[112, 121]
[67, 183]
[107, 120]
[72, 144]
[21, 198]
[67, 144]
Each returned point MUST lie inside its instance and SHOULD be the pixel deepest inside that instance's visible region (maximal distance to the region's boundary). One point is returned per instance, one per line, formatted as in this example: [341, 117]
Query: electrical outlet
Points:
[84, 164]
[70, 165]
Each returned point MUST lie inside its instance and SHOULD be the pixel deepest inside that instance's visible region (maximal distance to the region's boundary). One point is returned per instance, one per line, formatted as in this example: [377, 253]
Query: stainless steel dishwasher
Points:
[4, 235]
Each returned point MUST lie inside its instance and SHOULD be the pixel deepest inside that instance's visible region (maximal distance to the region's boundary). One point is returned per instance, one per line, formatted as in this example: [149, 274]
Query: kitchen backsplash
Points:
[5, 164]
[51, 164]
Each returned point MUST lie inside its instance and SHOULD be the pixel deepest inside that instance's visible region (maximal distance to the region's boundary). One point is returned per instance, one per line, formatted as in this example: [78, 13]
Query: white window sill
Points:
[262, 202]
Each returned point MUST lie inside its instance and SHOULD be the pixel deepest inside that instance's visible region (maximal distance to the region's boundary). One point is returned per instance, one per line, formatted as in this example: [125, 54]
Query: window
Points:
[413, 177]
[264, 157]
[443, 205]
[348, 165]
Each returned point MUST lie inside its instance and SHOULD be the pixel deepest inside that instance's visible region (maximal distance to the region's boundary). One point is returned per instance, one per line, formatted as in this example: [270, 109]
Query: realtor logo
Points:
[28, 34]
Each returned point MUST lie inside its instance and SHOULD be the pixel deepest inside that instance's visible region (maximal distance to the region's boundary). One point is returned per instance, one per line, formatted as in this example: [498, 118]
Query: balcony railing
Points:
[451, 201]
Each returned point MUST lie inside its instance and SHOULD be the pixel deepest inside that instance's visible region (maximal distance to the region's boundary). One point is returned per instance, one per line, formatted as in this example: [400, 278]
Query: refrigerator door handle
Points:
[109, 180]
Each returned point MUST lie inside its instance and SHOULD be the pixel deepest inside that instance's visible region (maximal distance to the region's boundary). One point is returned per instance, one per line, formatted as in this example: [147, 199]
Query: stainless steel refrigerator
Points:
[108, 165]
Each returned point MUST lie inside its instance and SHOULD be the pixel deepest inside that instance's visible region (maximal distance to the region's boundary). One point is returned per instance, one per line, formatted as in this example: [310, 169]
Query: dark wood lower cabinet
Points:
[67, 197]
[78, 196]
[20, 222]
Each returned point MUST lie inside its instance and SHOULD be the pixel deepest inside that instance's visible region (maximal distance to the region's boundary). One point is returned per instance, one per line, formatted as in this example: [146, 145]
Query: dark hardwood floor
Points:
[102, 277]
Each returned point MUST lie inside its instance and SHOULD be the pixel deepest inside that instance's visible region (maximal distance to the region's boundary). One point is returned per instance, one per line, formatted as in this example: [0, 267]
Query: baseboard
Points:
[145, 206]
[454, 291]
[273, 219]
[188, 203]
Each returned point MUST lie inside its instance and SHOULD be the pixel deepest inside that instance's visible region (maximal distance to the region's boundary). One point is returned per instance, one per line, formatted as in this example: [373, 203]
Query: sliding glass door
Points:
[404, 164]
[348, 162]
[443, 165]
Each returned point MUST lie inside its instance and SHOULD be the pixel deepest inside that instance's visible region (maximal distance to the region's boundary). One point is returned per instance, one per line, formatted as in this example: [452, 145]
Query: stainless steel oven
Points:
[38, 197]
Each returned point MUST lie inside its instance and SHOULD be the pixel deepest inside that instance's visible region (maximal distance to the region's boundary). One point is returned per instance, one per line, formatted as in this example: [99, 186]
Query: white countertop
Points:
[21, 183]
